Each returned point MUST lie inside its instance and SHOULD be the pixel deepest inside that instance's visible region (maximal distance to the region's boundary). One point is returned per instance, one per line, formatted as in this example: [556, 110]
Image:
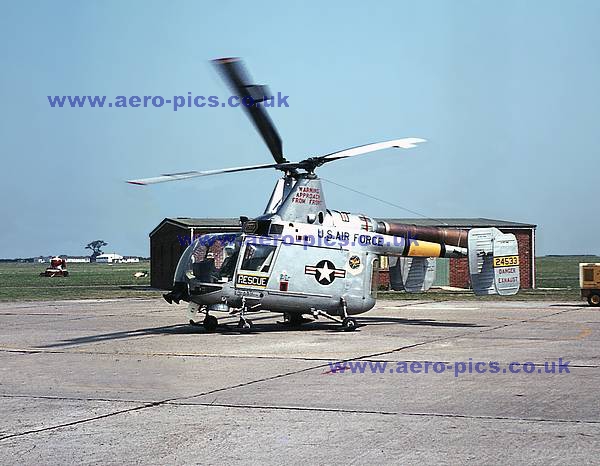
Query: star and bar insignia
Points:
[324, 272]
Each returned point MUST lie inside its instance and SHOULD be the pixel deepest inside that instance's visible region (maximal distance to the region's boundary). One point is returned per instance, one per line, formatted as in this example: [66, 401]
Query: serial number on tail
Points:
[506, 261]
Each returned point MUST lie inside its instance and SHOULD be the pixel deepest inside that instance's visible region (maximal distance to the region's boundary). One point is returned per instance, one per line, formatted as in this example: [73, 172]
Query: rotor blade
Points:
[194, 174]
[309, 164]
[405, 143]
[236, 76]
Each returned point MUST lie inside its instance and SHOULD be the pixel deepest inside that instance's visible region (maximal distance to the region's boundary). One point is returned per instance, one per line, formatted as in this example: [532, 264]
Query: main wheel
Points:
[245, 325]
[349, 324]
[294, 319]
[210, 323]
[594, 299]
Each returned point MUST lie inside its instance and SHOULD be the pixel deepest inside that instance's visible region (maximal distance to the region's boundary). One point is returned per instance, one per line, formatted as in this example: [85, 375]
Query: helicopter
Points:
[300, 258]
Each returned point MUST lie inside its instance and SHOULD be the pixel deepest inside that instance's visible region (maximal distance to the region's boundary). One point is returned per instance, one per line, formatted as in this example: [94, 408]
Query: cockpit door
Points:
[255, 263]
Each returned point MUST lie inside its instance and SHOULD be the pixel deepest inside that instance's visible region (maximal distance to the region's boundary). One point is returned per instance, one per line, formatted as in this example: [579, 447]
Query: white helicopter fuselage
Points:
[296, 276]
[296, 267]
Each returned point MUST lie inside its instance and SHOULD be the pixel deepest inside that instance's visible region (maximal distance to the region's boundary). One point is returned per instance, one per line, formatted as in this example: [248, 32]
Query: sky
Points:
[506, 93]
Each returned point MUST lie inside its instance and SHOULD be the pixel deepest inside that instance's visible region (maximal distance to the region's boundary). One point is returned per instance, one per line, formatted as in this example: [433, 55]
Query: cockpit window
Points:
[258, 257]
[210, 258]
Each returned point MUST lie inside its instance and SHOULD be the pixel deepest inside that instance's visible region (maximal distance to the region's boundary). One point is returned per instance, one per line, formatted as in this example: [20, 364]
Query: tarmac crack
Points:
[73, 398]
[153, 404]
[386, 413]
[178, 402]
[81, 421]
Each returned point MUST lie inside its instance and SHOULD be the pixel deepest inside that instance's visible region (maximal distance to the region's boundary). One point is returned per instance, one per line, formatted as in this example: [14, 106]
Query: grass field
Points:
[21, 281]
[557, 279]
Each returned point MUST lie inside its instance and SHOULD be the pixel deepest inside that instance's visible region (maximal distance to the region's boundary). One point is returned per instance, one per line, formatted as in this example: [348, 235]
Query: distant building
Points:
[130, 259]
[170, 238]
[108, 258]
[77, 259]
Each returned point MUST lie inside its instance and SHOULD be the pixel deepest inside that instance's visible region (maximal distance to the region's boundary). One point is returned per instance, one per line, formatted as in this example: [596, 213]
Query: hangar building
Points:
[170, 238]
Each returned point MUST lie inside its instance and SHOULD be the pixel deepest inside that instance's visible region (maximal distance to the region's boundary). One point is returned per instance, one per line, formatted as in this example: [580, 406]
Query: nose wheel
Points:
[245, 325]
[210, 323]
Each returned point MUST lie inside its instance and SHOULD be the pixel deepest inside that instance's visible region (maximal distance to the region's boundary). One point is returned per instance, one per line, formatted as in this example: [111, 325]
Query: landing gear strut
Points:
[193, 311]
[245, 325]
[349, 324]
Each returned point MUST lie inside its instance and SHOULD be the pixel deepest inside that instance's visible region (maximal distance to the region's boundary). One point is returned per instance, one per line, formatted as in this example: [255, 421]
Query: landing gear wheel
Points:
[245, 325]
[349, 324]
[210, 323]
[594, 299]
[294, 319]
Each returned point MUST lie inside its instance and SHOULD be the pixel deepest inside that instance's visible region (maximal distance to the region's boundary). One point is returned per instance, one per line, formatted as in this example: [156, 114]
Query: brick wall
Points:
[526, 257]
[459, 272]
[384, 279]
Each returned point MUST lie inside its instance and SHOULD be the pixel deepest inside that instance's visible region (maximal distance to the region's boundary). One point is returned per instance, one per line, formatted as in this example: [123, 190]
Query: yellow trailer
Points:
[589, 282]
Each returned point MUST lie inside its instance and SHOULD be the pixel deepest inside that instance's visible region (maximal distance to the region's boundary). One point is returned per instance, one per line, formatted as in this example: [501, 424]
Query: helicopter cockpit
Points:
[210, 258]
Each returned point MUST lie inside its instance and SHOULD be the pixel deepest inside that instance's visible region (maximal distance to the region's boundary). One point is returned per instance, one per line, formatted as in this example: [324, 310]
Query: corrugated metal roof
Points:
[197, 222]
[189, 222]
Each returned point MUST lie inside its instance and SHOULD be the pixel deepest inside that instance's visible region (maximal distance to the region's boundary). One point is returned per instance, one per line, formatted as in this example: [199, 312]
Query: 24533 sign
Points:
[506, 261]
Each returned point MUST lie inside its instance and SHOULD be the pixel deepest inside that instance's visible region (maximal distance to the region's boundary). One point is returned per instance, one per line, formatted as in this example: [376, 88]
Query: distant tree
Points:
[96, 247]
